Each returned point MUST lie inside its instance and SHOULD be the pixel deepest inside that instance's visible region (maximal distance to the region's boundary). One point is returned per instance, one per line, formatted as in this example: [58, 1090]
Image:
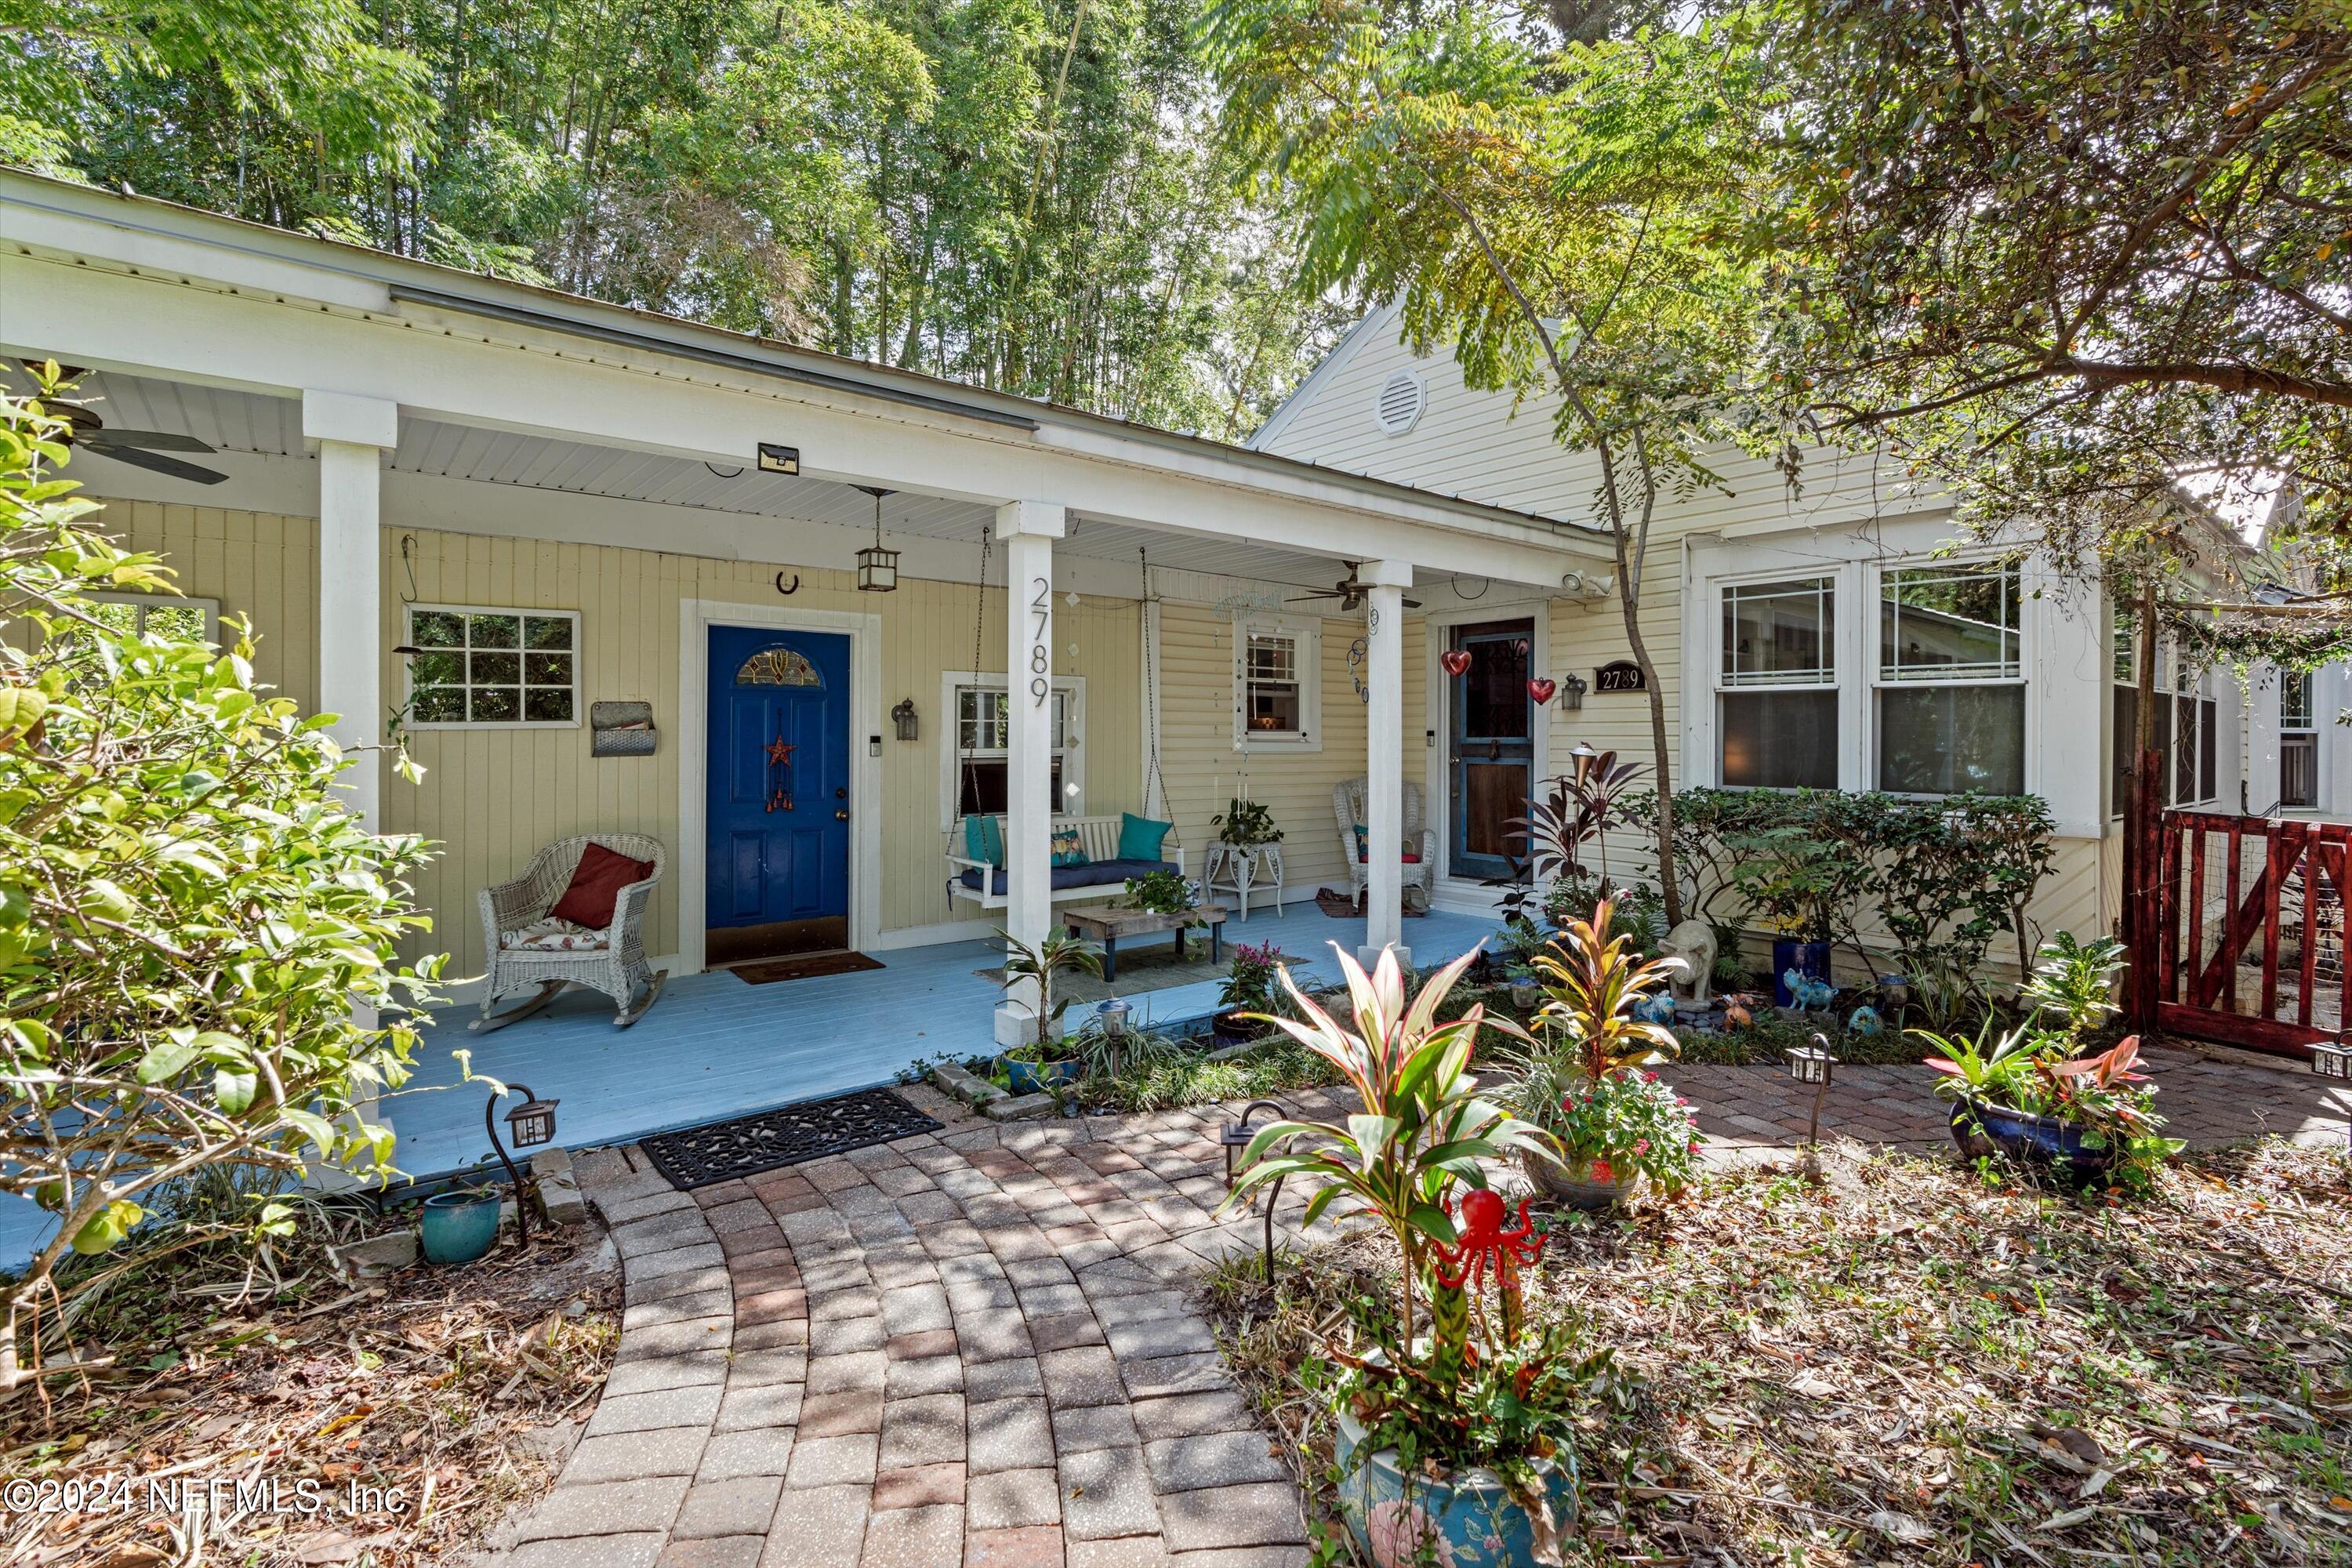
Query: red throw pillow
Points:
[596, 884]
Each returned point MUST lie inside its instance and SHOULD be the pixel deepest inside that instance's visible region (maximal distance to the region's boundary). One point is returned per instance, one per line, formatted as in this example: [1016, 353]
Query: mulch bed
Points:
[450, 1385]
[1907, 1364]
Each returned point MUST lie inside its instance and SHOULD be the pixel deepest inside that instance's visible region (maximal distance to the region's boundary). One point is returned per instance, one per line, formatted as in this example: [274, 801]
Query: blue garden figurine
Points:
[1864, 1022]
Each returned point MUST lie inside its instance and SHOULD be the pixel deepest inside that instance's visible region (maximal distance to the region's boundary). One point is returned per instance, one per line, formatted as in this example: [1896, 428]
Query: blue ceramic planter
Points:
[1995, 1132]
[1037, 1078]
[458, 1228]
[1810, 959]
[1467, 1521]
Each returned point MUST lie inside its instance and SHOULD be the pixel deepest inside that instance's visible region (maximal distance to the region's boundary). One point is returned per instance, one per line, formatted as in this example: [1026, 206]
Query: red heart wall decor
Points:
[1455, 660]
[1541, 688]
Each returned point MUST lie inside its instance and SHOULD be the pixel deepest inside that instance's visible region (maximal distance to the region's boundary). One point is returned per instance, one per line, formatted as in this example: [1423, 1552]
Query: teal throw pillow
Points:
[983, 839]
[1070, 847]
[1139, 836]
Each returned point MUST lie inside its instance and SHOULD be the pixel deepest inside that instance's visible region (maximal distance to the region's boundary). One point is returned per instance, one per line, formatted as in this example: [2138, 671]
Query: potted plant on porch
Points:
[2030, 1096]
[1043, 1065]
[1245, 824]
[1454, 1446]
[1584, 1073]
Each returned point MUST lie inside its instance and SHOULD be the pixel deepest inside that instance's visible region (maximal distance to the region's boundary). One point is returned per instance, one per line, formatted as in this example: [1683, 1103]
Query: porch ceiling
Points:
[239, 421]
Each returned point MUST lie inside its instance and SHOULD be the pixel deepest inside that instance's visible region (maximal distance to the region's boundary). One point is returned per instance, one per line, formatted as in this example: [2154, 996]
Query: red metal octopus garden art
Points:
[1485, 1242]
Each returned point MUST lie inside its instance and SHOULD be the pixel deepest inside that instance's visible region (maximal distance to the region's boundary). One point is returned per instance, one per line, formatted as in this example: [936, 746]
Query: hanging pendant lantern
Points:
[877, 569]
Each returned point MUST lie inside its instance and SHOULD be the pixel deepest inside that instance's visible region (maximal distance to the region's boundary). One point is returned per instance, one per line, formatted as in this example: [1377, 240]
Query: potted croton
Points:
[2032, 1094]
[1585, 1076]
[1456, 1416]
[1251, 988]
[1045, 1063]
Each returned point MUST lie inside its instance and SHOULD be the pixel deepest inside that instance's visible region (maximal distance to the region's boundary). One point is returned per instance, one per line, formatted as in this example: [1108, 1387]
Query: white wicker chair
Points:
[1348, 808]
[613, 961]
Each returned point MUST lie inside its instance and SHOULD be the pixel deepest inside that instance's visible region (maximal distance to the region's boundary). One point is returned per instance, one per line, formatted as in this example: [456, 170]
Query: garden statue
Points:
[1691, 948]
[1864, 1022]
[1811, 994]
[1657, 1009]
[1486, 1238]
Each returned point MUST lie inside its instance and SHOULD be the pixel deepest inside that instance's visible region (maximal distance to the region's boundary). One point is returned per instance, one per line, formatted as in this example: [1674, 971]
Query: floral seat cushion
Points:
[551, 935]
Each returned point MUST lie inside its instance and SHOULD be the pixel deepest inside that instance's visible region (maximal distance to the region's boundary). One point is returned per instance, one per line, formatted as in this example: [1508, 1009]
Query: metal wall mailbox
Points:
[621, 729]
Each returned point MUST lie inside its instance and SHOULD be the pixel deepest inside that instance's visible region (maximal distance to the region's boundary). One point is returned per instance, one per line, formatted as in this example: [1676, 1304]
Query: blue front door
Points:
[778, 845]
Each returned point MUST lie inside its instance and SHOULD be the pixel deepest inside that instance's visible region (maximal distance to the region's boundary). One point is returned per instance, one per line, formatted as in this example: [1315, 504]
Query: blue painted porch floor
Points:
[714, 1046]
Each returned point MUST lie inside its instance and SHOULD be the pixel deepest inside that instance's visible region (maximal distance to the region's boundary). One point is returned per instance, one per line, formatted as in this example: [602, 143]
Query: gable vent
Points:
[1399, 405]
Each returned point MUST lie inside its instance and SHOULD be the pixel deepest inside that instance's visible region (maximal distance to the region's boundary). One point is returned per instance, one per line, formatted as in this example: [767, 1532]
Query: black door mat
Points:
[801, 967]
[788, 1135]
[1340, 906]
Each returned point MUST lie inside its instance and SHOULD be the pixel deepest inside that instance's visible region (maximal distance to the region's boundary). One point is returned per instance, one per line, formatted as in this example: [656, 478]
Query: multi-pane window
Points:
[2299, 742]
[493, 667]
[1951, 673]
[163, 613]
[984, 741]
[2184, 731]
[1275, 695]
[1777, 690]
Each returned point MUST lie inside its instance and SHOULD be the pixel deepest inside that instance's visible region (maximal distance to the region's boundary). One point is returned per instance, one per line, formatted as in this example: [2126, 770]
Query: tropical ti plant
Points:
[1424, 1126]
[1590, 982]
[1038, 965]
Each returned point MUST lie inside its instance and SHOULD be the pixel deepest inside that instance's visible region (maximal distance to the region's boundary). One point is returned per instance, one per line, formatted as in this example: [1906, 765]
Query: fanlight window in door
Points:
[778, 667]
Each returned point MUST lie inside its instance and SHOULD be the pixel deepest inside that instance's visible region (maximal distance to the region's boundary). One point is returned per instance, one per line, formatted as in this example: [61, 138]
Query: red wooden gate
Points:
[2252, 945]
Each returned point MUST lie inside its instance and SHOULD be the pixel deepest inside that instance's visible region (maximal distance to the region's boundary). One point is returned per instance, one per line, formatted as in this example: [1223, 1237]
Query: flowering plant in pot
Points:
[1583, 1073]
[2029, 1094]
[1456, 1423]
[1045, 1062]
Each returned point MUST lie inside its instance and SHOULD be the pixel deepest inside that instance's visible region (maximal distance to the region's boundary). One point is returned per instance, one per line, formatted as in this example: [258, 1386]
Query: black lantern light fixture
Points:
[1572, 689]
[1813, 1063]
[1239, 1135]
[903, 716]
[530, 1124]
[877, 569]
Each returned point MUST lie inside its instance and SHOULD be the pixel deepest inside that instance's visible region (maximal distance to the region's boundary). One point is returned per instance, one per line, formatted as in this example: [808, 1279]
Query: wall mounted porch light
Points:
[877, 569]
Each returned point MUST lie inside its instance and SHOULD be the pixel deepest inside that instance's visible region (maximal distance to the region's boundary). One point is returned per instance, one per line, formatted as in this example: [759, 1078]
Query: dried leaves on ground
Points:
[413, 1407]
[1909, 1362]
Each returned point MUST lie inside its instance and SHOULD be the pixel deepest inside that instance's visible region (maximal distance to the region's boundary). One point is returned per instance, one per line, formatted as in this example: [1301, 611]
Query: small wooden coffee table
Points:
[1106, 924]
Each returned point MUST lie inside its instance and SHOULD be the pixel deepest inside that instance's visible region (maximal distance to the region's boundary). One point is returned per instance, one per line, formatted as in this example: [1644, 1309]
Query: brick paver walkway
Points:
[971, 1348]
[976, 1349]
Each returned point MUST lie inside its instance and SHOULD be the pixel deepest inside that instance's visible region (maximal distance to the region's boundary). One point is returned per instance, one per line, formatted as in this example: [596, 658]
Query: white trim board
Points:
[695, 619]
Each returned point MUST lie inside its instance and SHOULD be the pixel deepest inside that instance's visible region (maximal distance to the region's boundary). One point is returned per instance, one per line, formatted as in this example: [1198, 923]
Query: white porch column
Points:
[1384, 757]
[1027, 530]
[352, 433]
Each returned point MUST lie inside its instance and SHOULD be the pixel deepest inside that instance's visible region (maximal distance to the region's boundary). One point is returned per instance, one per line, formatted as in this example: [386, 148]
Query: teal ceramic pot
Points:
[458, 1228]
[1466, 1520]
[1039, 1078]
[1461, 1522]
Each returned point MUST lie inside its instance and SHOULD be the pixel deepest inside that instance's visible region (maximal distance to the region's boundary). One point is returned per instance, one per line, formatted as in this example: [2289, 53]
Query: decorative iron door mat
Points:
[788, 1135]
[806, 966]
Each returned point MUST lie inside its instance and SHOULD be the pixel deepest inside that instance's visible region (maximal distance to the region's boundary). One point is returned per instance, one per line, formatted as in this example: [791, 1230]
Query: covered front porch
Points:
[719, 1048]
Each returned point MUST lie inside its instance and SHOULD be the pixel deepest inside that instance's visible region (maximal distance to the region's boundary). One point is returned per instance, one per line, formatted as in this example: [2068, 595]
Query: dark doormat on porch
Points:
[803, 967]
[1340, 906]
[788, 1135]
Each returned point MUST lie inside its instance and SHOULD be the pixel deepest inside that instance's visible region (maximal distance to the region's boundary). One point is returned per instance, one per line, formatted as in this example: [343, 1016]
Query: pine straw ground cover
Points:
[1912, 1363]
[436, 1382]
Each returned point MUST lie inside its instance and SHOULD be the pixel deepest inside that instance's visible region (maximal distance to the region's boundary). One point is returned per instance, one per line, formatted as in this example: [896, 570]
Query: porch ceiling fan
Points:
[139, 448]
[1348, 591]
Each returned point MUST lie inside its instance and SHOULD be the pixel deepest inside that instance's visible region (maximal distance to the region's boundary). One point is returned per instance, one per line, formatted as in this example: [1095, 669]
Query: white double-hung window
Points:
[2299, 742]
[1951, 680]
[1775, 689]
[976, 777]
[1277, 699]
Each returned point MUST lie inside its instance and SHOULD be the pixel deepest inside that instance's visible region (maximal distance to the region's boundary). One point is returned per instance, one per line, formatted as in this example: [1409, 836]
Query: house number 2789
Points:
[1041, 661]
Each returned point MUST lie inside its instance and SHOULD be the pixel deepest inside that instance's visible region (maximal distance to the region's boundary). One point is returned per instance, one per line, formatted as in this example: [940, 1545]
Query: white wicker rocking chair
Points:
[1347, 811]
[611, 961]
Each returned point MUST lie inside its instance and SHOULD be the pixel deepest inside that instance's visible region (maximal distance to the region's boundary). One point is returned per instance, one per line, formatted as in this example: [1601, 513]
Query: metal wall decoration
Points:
[780, 771]
[1620, 675]
[1456, 660]
[1357, 653]
[777, 667]
[1541, 689]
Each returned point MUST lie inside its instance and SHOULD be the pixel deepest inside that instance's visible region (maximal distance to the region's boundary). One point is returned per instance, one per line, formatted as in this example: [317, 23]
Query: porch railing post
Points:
[1384, 756]
[1028, 530]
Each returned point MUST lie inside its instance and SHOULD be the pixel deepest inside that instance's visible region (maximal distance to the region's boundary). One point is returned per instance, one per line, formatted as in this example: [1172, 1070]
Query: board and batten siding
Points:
[493, 797]
[1202, 771]
[256, 565]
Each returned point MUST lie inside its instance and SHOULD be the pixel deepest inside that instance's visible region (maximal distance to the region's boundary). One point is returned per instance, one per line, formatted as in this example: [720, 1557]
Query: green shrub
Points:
[196, 941]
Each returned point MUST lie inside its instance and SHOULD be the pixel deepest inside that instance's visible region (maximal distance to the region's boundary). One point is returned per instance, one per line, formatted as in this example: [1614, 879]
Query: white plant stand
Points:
[1234, 868]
